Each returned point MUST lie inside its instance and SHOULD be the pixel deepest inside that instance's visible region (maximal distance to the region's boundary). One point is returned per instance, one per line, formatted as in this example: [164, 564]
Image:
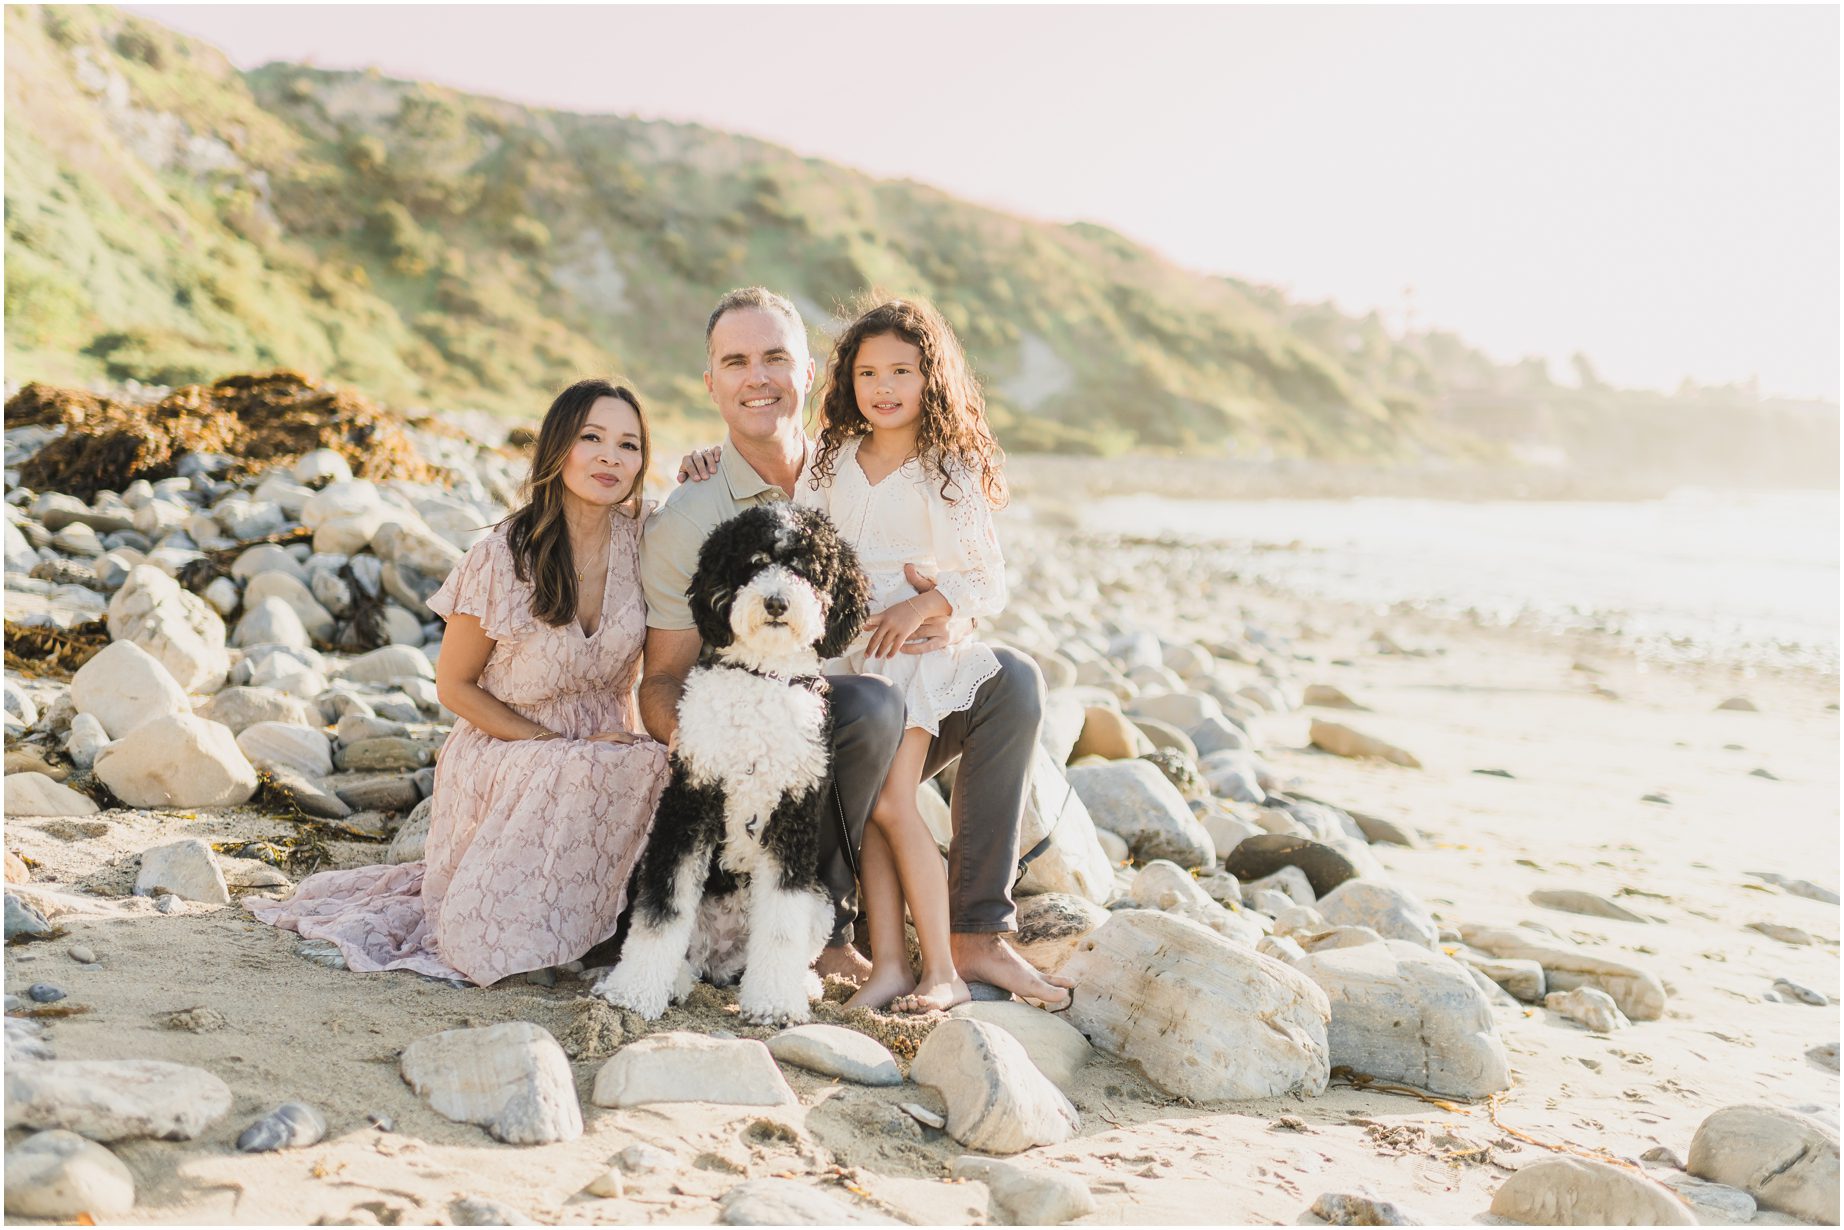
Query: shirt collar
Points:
[745, 483]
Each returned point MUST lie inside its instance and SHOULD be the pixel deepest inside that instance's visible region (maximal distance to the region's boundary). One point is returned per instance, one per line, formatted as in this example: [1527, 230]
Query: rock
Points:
[44, 993]
[187, 868]
[23, 920]
[1588, 1006]
[1054, 1046]
[251, 873]
[1167, 738]
[1392, 912]
[284, 745]
[1289, 881]
[382, 755]
[1782, 932]
[19, 705]
[1523, 980]
[1236, 780]
[292, 590]
[1382, 831]
[1162, 885]
[1112, 846]
[609, 1185]
[34, 794]
[1825, 1055]
[1326, 867]
[1575, 901]
[320, 468]
[1402, 1013]
[1737, 704]
[312, 797]
[1344, 1209]
[1804, 994]
[1074, 861]
[409, 544]
[1325, 696]
[388, 793]
[86, 738]
[923, 1115]
[1027, 1196]
[177, 761]
[1180, 710]
[1574, 1191]
[1712, 1203]
[1108, 734]
[478, 1211]
[177, 627]
[785, 1202]
[358, 727]
[1202, 1017]
[16, 870]
[997, 1099]
[1227, 830]
[1640, 995]
[677, 1066]
[407, 844]
[1786, 1161]
[834, 1051]
[391, 664]
[83, 954]
[59, 1174]
[1218, 734]
[1343, 741]
[270, 622]
[1338, 937]
[512, 1079]
[243, 707]
[115, 1099]
[641, 1158]
[292, 1125]
[1133, 800]
[1050, 925]
[1799, 888]
[124, 686]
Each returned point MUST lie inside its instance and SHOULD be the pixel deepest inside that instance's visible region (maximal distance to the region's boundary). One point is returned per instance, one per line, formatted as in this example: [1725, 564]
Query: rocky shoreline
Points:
[221, 680]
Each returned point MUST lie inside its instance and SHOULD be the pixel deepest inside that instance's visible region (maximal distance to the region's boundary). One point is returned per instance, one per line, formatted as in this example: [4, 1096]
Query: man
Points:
[758, 373]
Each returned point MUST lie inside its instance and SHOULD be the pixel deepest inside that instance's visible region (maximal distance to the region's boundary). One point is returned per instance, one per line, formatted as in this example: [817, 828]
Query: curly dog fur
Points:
[776, 591]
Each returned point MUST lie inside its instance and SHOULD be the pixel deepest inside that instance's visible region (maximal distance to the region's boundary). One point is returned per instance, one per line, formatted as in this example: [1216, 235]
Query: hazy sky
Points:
[1656, 186]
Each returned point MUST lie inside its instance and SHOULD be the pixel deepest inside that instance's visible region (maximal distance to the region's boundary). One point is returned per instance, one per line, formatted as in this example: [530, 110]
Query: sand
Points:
[280, 1027]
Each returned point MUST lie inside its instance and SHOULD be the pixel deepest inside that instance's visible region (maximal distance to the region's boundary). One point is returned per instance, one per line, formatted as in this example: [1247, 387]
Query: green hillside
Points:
[170, 219]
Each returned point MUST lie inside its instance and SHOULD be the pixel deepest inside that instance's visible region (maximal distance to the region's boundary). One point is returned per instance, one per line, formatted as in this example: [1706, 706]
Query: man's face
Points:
[759, 373]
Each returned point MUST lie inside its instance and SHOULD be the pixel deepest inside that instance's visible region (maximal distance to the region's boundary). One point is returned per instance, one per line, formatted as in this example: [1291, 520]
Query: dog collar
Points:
[812, 682]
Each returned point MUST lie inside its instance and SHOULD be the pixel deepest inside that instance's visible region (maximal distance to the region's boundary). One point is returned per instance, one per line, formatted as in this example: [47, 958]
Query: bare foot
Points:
[984, 956]
[845, 962]
[932, 994]
[882, 986]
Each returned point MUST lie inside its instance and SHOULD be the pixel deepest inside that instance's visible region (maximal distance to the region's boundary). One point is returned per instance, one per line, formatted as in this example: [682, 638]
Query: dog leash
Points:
[1025, 859]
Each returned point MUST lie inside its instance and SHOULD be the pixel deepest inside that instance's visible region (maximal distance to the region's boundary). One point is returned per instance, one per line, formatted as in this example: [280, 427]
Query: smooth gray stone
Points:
[292, 1125]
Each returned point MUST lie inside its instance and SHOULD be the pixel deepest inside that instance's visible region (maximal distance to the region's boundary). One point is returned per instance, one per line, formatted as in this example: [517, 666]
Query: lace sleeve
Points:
[972, 570]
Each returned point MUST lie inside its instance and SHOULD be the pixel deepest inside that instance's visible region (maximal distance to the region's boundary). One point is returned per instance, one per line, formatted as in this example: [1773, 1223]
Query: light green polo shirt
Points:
[670, 540]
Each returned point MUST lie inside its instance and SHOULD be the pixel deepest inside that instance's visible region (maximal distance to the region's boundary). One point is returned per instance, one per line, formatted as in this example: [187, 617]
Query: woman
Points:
[545, 790]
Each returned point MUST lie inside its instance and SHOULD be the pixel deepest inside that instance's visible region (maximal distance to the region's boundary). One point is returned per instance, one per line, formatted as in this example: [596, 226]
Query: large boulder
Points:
[1786, 1161]
[1163, 885]
[1051, 924]
[678, 1066]
[291, 590]
[242, 708]
[177, 761]
[174, 625]
[59, 1174]
[1133, 799]
[1203, 1018]
[114, 1099]
[1074, 861]
[512, 1079]
[284, 745]
[997, 1099]
[269, 621]
[391, 664]
[124, 686]
[187, 868]
[1056, 1047]
[1402, 1013]
[1108, 734]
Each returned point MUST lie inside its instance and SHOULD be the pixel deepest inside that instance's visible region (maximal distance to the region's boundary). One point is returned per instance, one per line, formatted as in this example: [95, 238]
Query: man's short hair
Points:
[762, 299]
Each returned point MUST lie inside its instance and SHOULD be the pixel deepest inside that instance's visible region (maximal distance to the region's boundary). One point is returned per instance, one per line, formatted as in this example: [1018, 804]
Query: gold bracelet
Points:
[539, 738]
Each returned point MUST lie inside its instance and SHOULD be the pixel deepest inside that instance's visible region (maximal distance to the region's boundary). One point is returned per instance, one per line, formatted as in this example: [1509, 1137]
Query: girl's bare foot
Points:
[843, 961]
[932, 994]
[882, 986]
[984, 956]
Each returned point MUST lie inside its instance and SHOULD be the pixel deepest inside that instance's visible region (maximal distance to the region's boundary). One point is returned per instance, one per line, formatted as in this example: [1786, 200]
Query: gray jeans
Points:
[995, 741]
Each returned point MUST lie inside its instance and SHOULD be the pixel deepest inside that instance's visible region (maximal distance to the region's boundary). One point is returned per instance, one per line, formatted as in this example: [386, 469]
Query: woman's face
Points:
[887, 379]
[603, 465]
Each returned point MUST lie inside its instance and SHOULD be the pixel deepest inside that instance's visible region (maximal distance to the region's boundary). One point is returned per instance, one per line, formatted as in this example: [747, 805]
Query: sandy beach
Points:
[1573, 735]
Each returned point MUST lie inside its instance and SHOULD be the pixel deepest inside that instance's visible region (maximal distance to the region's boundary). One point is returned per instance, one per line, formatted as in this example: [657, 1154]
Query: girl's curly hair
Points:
[953, 431]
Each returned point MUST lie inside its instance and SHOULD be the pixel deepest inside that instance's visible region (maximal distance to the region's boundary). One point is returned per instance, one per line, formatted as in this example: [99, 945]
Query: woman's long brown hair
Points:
[536, 532]
[953, 428]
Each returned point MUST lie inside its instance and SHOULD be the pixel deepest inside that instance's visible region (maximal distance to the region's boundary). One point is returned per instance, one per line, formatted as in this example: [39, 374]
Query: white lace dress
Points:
[905, 519]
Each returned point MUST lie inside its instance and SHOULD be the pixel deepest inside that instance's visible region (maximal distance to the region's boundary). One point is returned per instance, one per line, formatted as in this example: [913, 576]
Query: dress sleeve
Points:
[485, 586]
[972, 570]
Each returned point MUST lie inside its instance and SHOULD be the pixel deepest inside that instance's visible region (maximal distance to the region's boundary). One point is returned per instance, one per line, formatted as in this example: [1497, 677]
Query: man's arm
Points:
[670, 655]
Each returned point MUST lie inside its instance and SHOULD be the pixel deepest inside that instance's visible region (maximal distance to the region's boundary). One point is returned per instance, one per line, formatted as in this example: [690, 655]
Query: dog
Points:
[776, 592]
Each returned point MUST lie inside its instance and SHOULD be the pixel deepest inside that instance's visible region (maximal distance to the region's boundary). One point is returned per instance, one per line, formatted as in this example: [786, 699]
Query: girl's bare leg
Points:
[925, 881]
[883, 915]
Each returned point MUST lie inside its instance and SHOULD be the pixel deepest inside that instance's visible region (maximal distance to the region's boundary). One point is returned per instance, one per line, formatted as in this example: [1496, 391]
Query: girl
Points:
[910, 473]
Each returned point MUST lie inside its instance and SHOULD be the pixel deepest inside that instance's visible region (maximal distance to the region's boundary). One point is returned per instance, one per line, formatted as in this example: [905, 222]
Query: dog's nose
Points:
[775, 605]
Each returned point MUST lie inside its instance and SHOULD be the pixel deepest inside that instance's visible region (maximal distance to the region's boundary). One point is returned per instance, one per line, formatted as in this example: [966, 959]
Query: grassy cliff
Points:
[170, 219]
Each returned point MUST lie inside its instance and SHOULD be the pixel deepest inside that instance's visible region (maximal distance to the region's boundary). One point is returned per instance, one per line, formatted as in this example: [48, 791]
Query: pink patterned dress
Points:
[530, 843]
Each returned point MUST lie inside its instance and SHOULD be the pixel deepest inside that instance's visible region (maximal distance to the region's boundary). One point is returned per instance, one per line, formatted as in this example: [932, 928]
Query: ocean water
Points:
[1728, 576]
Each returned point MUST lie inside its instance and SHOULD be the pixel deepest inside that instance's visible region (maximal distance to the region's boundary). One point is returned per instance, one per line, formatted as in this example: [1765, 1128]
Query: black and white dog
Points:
[776, 591]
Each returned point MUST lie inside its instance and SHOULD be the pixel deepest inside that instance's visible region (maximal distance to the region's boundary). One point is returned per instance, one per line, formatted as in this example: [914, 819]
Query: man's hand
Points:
[700, 463]
[937, 632]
